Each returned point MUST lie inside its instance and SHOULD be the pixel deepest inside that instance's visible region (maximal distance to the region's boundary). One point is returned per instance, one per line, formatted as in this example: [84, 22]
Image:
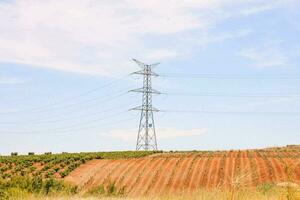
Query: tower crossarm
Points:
[145, 90]
[142, 65]
[144, 108]
[142, 72]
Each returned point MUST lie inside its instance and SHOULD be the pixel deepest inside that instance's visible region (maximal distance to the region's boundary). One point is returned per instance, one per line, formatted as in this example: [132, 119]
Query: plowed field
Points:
[173, 172]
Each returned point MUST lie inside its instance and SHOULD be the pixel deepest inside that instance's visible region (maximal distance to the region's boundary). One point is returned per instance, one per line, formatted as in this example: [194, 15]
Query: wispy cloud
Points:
[209, 38]
[253, 8]
[258, 9]
[265, 56]
[11, 81]
[162, 133]
[99, 37]
[161, 54]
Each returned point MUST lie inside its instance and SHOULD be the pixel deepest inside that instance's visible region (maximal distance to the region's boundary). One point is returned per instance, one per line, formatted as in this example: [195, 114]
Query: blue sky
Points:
[65, 65]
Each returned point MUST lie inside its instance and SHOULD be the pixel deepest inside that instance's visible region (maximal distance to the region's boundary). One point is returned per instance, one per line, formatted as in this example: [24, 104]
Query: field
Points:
[169, 173]
[57, 165]
[156, 174]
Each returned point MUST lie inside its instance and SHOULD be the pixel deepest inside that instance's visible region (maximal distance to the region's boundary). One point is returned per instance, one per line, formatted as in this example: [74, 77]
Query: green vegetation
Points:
[39, 175]
[19, 187]
[54, 165]
[266, 188]
[109, 189]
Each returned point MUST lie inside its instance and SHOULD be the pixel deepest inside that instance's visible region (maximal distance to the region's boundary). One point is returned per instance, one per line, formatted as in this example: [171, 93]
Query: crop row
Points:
[56, 165]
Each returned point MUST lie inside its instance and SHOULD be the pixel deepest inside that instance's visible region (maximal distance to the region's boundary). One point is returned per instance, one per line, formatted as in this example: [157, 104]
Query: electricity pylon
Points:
[146, 139]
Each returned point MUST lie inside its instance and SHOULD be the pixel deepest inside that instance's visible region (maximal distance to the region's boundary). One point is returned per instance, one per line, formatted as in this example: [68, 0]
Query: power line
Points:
[87, 115]
[233, 95]
[234, 112]
[231, 76]
[64, 100]
[57, 120]
[83, 102]
[86, 106]
[69, 128]
[66, 131]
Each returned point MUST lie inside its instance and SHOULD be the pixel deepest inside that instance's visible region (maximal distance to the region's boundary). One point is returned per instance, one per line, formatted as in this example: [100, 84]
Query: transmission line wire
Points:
[101, 112]
[68, 131]
[63, 128]
[231, 76]
[232, 95]
[234, 112]
[64, 100]
[96, 99]
[86, 106]
[46, 109]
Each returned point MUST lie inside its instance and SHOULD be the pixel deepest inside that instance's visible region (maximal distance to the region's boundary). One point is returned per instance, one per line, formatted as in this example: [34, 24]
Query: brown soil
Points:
[170, 173]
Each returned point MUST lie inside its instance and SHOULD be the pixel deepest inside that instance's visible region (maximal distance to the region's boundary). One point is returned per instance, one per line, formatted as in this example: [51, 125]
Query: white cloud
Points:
[208, 38]
[86, 36]
[258, 9]
[161, 54]
[265, 56]
[11, 81]
[99, 37]
[162, 133]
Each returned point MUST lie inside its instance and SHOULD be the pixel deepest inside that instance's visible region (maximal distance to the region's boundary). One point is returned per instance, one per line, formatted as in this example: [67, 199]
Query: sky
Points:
[229, 73]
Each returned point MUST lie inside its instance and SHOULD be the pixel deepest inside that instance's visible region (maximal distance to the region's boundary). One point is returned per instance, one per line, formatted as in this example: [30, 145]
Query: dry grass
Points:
[214, 194]
[237, 190]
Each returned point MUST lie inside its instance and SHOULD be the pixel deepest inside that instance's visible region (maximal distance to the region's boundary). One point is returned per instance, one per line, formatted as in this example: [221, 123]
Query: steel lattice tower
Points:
[146, 139]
